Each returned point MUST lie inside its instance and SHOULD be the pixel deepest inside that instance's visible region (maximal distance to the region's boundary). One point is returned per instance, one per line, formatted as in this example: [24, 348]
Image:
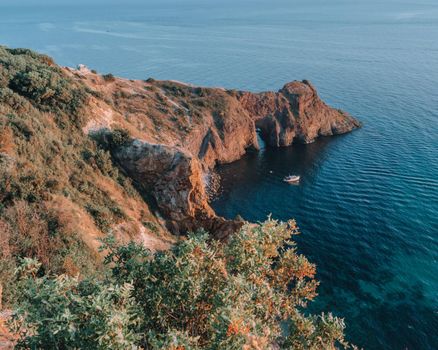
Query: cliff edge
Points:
[69, 188]
[182, 131]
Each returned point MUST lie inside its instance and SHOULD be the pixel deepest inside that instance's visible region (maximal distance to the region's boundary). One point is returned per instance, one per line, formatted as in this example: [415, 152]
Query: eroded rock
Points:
[174, 178]
[182, 132]
[295, 114]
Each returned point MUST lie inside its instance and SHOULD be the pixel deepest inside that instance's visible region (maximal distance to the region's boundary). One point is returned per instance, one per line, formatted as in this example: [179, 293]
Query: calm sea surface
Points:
[367, 204]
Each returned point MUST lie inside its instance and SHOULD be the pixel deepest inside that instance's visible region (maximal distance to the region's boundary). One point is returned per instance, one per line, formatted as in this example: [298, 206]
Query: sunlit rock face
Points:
[181, 132]
[294, 114]
[174, 179]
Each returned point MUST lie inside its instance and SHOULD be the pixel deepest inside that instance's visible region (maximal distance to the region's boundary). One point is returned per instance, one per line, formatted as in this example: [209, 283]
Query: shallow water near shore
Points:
[367, 203]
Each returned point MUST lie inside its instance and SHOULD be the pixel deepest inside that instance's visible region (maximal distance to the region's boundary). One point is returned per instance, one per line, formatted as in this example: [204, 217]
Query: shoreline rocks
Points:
[295, 114]
[181, 132]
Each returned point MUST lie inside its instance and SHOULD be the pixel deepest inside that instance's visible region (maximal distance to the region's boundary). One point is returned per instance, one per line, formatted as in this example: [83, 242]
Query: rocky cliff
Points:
[84, 155]
[181, 132]
[175, 180]
[294, 114]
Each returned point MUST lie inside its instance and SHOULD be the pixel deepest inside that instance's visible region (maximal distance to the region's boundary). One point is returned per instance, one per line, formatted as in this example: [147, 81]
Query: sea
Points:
[367, 202]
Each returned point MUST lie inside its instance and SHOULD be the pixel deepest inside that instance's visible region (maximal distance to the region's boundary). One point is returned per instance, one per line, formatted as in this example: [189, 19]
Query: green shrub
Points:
[65, 313]
[151, 226]
[201, 294]
[4, 80]
[109, 77]
[127, 185]
[110, 140]
[120, 137]
[101, 159]
[46, 86]
[100, 214]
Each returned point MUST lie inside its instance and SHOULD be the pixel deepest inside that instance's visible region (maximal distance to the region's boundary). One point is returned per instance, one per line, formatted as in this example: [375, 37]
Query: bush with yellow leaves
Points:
[202, 294]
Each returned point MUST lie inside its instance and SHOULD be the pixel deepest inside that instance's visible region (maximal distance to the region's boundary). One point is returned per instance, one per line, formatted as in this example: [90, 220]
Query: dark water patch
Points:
[364, 225]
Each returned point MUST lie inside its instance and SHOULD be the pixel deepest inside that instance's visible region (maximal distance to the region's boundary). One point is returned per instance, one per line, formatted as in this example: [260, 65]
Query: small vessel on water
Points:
[291, 179]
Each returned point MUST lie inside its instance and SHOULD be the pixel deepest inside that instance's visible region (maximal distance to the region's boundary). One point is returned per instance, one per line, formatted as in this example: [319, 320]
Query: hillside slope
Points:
[83, 155]
[184, 131]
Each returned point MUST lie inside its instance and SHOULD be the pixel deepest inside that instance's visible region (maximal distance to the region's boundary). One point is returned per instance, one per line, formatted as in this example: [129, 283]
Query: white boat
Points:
[292, 179]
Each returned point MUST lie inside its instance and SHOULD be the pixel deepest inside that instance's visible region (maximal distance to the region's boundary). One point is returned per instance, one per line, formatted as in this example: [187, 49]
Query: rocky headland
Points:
[181, 132]
[152, 181]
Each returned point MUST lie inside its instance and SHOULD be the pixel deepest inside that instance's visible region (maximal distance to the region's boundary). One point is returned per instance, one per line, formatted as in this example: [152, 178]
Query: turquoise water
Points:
[367, 204]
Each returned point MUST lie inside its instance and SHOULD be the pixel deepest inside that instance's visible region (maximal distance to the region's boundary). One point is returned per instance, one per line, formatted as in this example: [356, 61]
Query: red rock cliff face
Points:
[175, 180]
[183, 131]
[294, 114]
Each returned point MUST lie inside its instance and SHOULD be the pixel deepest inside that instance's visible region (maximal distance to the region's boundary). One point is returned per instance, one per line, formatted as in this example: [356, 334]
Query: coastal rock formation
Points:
[182, 132]
[85, 155]
[174, 179]
[294, 114]
[208, 123]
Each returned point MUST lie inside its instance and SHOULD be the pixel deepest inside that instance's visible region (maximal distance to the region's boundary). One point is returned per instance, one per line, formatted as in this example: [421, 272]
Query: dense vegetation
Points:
[51, 173]
[202, 294]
